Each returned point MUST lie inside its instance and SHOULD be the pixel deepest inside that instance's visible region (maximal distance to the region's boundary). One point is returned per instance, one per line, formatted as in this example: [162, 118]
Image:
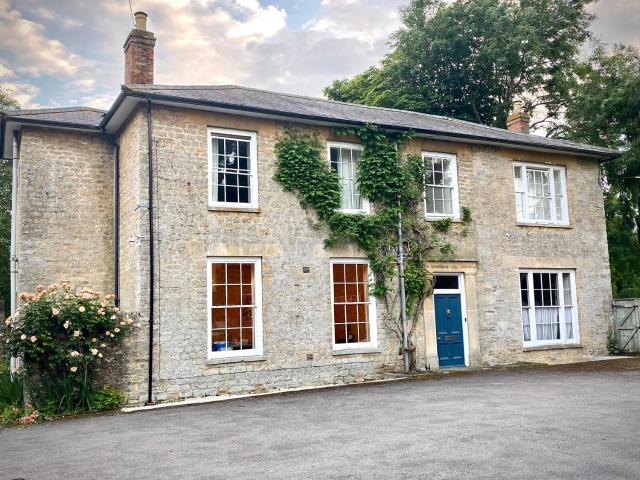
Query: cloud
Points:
[24, 93]
[618, 21]
[71, 50]
[26, 46]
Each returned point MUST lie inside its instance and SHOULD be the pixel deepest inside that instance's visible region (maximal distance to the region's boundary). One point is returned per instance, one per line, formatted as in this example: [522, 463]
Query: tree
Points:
[604, 109]
[6, 103]
[473, 58]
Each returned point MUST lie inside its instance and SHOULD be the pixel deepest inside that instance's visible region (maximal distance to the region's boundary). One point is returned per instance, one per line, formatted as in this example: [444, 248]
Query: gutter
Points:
[266, 111]
[51, 123]
[151, 252]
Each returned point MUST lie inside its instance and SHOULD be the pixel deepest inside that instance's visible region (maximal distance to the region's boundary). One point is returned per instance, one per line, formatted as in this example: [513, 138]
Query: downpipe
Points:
[151, 253]
[13, 259]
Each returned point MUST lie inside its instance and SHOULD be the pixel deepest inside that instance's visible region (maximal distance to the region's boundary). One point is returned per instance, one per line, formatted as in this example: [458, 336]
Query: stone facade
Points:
[65, 210]
[296, 304]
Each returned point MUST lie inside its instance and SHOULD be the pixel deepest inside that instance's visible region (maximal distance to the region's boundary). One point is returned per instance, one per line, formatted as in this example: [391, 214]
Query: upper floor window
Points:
[354, 311]
[344, 159]
[541, 194]
[233, 168]
[235, 307]
[549, 307]
[441, 186]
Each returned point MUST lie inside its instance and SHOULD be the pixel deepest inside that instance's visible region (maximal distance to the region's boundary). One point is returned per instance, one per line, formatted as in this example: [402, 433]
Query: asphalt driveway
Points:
[528, 424]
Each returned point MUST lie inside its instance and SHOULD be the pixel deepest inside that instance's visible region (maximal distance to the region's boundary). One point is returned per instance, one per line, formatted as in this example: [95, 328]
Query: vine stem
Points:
[403, 298]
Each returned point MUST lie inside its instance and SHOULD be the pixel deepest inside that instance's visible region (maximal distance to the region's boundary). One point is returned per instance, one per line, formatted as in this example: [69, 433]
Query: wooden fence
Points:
[626, 324]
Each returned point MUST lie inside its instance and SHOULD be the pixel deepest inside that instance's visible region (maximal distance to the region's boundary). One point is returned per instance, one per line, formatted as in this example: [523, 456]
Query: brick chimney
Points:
[518, 121]
[138, 52]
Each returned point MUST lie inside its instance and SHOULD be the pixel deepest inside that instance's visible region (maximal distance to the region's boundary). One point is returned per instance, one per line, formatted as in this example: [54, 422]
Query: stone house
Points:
[170, 196]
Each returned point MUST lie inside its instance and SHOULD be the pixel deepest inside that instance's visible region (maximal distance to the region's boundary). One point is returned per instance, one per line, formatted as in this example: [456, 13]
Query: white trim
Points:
[534, 342]
[366, 207]
[373, 319]
[525, 200]
[463, 307]
[257, 320]
[253, 154]
[455, 195]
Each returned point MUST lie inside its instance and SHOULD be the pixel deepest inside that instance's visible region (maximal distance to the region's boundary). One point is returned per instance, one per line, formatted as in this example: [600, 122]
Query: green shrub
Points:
[9, 415]
[11, 389]
[107, 398]
[62, 336]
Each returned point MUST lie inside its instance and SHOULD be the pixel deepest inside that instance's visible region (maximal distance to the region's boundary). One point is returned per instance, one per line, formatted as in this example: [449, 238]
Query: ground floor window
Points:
[235, 307]
[549, 307]
[354, 313]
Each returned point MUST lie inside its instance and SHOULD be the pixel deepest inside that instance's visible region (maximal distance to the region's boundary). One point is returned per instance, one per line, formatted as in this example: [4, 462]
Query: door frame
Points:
[463, 308]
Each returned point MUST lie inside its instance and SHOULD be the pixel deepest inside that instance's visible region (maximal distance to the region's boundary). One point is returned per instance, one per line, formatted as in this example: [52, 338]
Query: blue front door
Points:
[449, 330]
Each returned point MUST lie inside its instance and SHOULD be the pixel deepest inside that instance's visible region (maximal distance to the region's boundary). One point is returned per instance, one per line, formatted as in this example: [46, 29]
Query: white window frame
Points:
[257, 349]
[534, 342]
[253, 153]
[373, 319]
[455, 194]
[523, 217]
[366, 207]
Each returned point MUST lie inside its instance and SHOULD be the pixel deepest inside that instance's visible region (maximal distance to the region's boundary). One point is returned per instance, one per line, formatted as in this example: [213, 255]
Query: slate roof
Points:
[305, 108]
[296, 106]
[81, 117]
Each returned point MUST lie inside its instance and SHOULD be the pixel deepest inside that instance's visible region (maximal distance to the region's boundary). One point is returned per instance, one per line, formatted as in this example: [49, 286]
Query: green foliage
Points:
[393, 184]
[612, 342]
[106, 399]
[442, 225]
[604, 109]
[11, 389]
[9, 415]
[471, 58]
[466, 215]
[6, 102]
[62, 336]
[301, 169]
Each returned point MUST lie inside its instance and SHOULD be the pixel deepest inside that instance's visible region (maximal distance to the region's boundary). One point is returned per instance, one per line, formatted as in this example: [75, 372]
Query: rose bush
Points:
[62, 336]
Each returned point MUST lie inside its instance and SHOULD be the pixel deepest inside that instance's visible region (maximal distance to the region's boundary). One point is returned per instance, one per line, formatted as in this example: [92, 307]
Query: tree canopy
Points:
[472, 58]
[603, 108]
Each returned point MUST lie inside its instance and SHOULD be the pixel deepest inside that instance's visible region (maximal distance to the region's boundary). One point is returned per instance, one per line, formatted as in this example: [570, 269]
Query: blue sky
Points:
[69, 52]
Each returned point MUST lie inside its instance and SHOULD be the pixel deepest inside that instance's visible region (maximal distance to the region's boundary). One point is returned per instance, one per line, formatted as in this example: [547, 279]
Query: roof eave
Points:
[53, 124]
[126, 92]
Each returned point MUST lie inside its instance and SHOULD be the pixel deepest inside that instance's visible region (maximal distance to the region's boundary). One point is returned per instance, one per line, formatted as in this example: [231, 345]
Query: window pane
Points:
[233, 273]
[231, 170]
[219, 295]
[524, 289]
[218, 318]
[449, 282]
[351, 302]
[232, 326]
[344, 161]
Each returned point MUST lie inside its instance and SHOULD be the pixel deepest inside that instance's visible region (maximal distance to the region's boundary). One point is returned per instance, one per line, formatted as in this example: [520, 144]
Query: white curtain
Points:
[548, 323]
[526, 324]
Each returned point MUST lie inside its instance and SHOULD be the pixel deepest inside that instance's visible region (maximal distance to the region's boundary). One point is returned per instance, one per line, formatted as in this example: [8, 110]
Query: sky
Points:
[56, 53]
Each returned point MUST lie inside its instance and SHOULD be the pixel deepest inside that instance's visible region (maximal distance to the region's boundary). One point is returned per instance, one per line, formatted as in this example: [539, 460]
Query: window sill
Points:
[214, 208]
[356, 351]
[435, 219]
[565, 346]
[224, 360]
[542, 225]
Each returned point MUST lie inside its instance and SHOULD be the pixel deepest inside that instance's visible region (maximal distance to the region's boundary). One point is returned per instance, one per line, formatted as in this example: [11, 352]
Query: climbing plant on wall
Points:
[394, 184]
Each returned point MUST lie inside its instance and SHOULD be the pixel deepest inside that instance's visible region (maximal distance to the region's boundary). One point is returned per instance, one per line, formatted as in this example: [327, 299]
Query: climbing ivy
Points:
[393, 183]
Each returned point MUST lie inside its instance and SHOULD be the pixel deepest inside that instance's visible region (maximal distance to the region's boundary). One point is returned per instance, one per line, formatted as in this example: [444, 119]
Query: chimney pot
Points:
[141, 21]
[138, 53]
[518, 121]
